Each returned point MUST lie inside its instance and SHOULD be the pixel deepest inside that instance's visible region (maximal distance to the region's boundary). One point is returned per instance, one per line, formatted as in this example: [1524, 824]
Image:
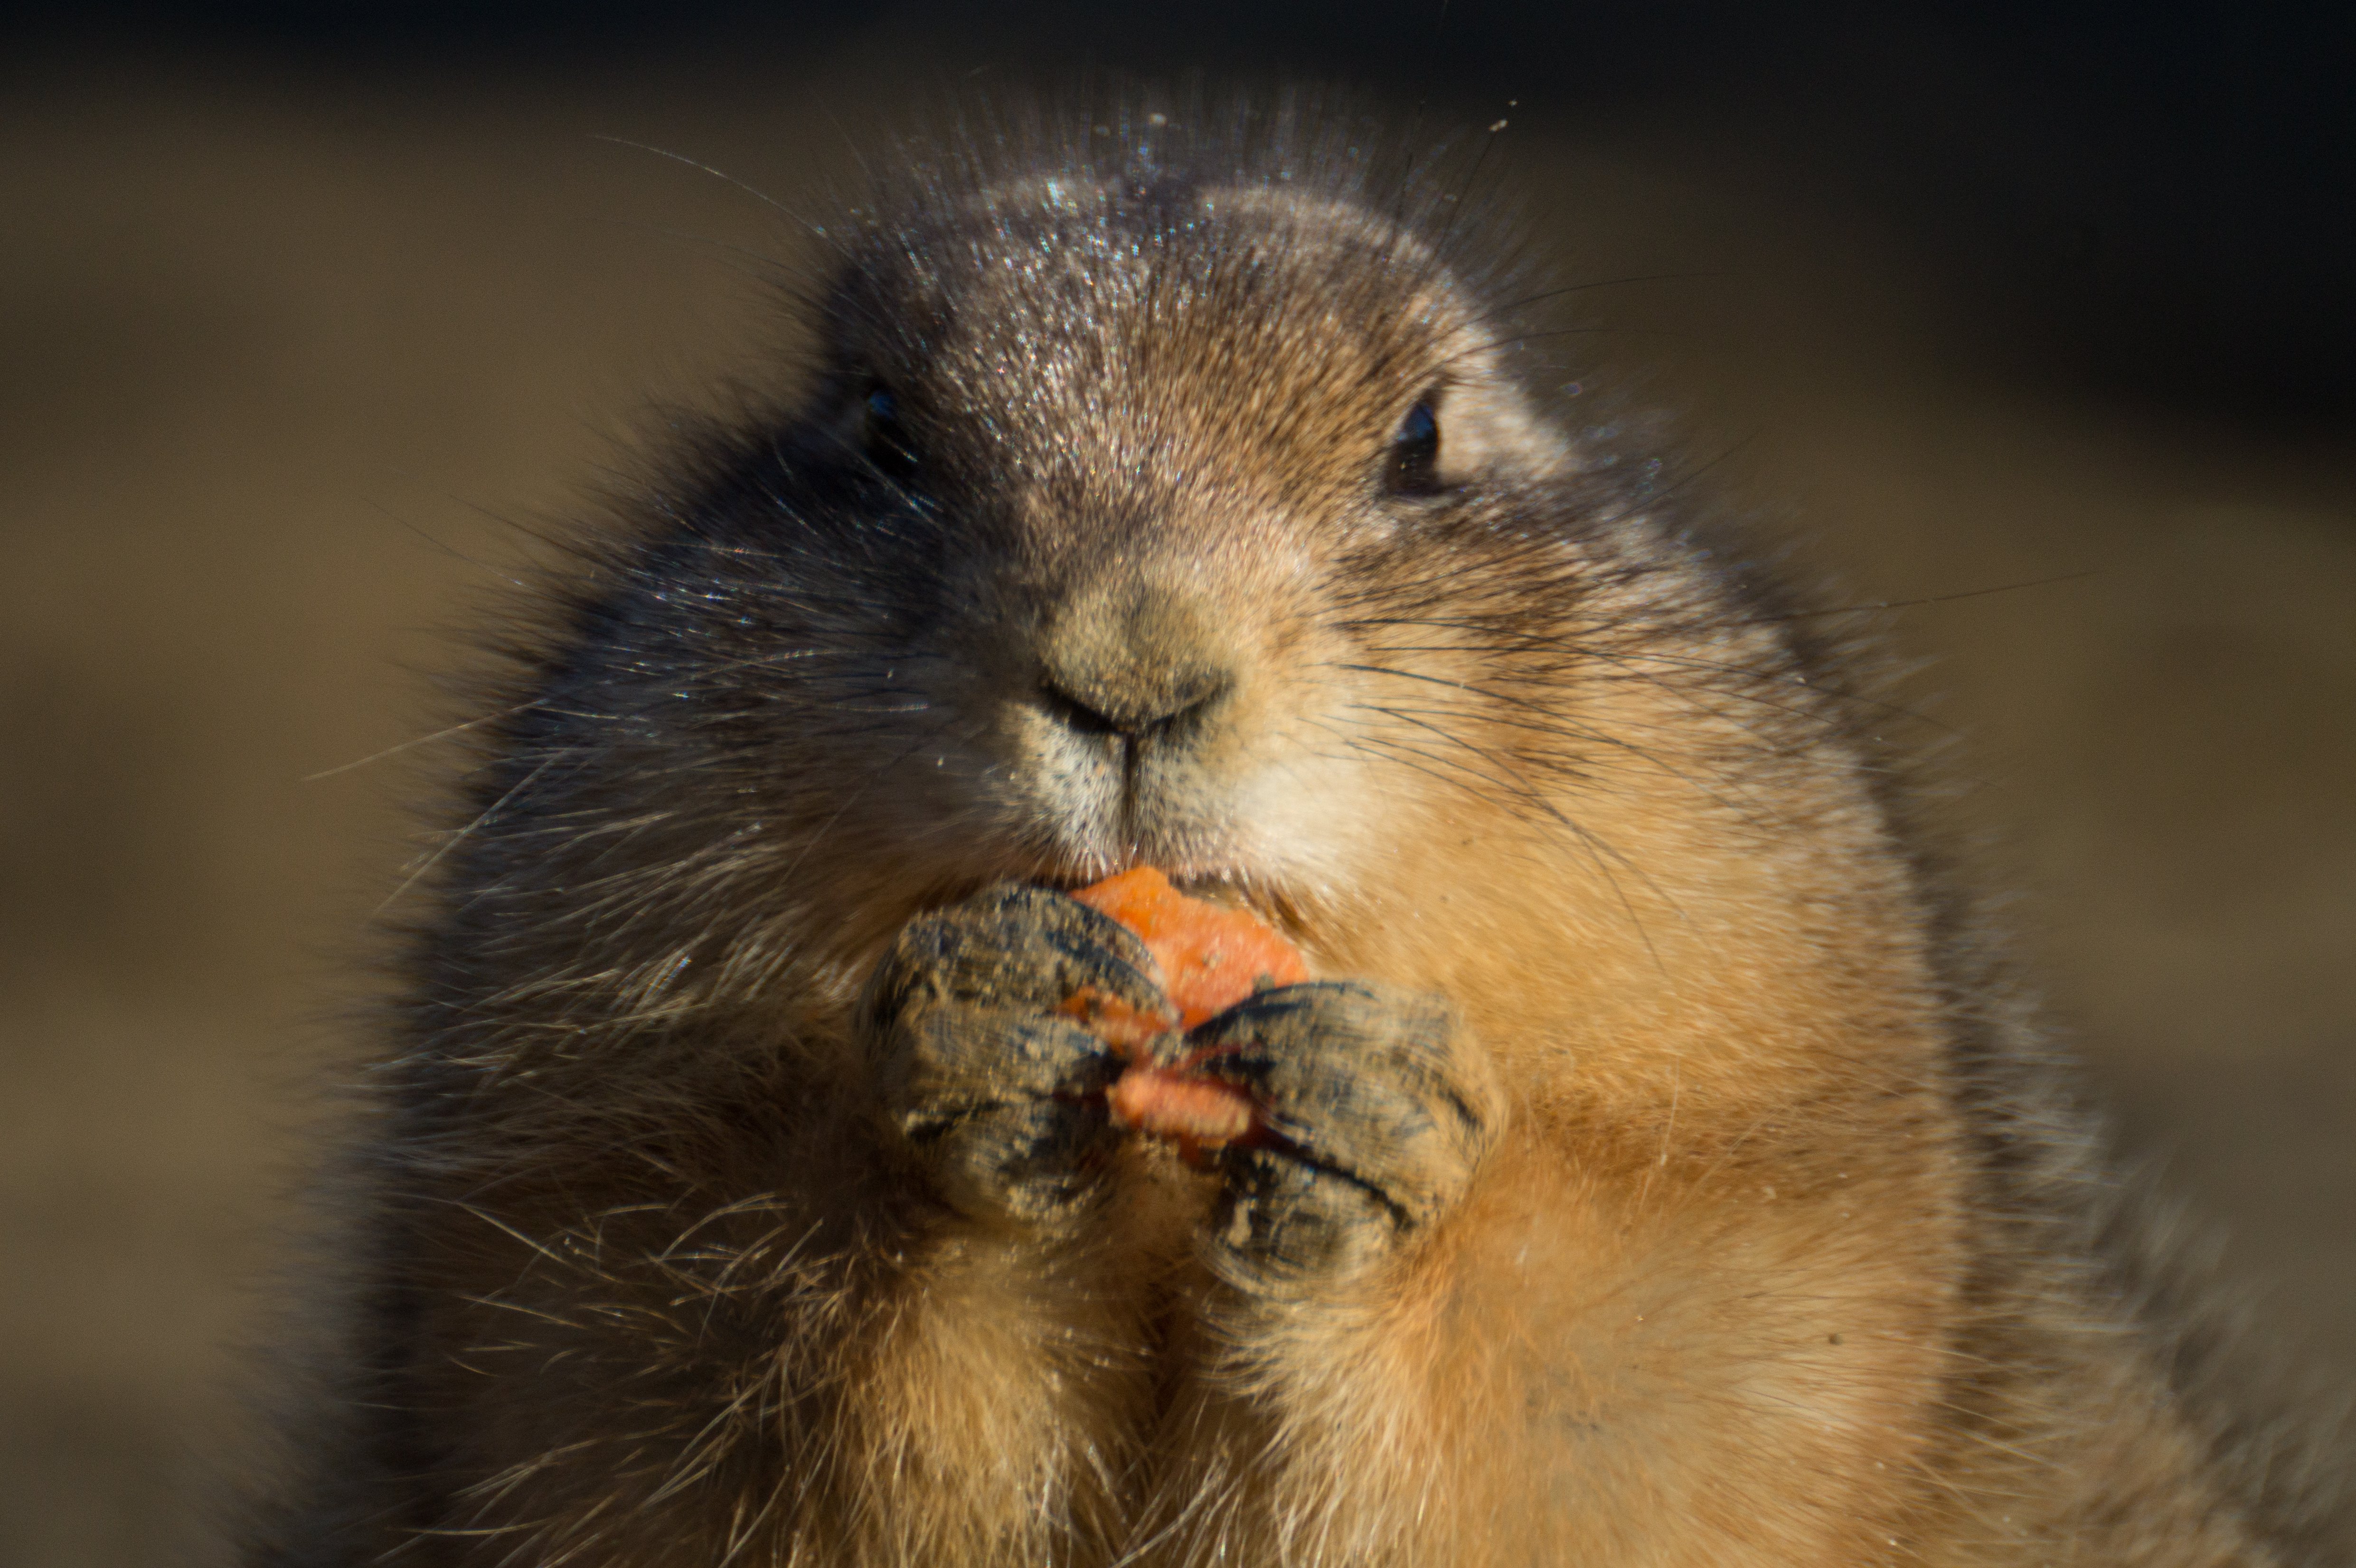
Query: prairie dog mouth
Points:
[1266, 900]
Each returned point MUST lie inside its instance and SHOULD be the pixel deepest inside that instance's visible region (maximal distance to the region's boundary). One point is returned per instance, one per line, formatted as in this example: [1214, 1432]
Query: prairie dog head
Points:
[1157, 442]
[1135, 518]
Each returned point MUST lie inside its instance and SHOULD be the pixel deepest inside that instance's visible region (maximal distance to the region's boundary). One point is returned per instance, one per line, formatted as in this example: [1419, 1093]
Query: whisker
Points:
[763, 198]
[1527, 300]
[1597, 848]
[488, 813]
[442, 734]
[1916, 603]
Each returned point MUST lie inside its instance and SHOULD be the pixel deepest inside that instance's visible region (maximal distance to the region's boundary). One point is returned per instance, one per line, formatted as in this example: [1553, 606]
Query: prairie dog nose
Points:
[1133, 662]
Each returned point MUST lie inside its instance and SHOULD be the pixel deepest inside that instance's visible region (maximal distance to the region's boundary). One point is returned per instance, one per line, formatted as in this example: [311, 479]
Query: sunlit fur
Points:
[1791, 1252]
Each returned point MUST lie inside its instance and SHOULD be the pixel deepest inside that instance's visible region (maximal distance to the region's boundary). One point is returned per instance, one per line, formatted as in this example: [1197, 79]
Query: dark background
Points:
[303, 308]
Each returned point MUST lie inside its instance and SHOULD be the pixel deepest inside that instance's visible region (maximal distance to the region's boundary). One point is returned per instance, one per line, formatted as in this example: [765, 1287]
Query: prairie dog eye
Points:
[883, 437]
[1412, 467]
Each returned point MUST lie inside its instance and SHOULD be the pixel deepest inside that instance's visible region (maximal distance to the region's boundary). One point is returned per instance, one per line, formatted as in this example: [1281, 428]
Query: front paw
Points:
[989, 1082]
[1374, 1110]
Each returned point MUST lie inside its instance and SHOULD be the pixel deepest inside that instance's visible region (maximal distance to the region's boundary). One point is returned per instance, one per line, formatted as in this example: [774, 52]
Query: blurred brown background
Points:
[301, 308]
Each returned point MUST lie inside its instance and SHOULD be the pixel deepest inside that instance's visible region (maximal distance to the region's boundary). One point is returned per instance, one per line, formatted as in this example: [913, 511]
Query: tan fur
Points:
[1787, 1251]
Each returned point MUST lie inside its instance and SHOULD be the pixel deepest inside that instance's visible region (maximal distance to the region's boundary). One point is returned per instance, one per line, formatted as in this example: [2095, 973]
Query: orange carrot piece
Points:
[1211, 957]
[1113, 1021]
[1198, 1112]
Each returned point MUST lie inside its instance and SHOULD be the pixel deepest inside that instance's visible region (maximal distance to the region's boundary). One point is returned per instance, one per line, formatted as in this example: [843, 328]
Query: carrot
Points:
[1210, 958]
[1199, 1112]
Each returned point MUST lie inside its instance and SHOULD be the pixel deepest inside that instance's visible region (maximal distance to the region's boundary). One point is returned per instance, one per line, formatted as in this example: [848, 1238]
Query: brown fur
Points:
[1783, 1247]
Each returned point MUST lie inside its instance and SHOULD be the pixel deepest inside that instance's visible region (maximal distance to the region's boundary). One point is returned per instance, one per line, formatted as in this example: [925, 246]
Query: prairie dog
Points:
[1670, 1178]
